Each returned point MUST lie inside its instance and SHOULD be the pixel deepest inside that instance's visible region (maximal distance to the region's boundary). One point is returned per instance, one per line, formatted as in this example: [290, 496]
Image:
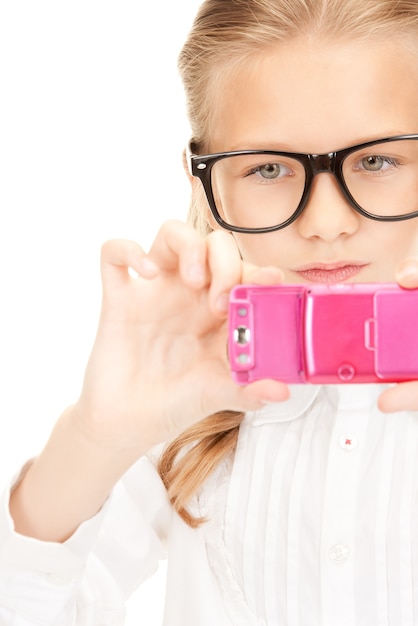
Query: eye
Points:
[377, 163]
[271, 171]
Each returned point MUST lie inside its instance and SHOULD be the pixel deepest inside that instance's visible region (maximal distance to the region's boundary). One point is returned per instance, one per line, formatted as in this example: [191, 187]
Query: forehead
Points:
[317, 98]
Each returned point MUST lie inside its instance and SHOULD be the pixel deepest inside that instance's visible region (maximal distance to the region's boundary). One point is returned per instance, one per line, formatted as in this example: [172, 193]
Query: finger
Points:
[407, 273]
[178, 247]
[259, 394]
[225, 266]
[262, 275]
[401, 397]
[117, 256]
[267, 391]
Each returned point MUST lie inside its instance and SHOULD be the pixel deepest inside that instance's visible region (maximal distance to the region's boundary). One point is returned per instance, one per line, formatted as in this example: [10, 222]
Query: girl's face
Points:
[317, 98]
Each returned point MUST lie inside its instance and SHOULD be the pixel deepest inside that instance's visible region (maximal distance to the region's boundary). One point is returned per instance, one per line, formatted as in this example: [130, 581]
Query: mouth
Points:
[330, 272]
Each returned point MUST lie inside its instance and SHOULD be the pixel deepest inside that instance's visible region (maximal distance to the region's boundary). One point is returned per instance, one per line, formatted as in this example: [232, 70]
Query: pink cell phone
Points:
[338, 333]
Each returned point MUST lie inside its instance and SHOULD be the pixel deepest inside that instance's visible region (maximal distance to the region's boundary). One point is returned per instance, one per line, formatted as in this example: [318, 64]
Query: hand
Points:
[403, 396]
[158, 365]
[159, 362]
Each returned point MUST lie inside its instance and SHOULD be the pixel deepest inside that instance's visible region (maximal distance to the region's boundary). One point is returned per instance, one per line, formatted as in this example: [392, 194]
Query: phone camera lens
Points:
[242, 335]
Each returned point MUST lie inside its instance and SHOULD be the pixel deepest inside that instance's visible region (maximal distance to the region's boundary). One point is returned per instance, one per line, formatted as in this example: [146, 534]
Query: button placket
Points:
[340, 496]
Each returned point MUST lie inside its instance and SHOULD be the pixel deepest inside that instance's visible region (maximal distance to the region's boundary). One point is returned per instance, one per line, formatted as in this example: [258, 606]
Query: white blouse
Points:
[314, 522]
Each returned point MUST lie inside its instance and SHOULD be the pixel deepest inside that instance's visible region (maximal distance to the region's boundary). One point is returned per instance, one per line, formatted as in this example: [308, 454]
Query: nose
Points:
[327, 214]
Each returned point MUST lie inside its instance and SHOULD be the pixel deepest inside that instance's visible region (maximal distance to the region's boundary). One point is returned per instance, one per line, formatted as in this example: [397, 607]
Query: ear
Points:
[192, 179]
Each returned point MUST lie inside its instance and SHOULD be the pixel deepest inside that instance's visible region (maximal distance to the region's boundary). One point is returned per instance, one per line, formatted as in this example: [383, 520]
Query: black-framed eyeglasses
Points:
[257, 191]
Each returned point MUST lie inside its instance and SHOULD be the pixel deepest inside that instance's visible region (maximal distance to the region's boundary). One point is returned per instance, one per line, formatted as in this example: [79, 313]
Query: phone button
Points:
[346, 372]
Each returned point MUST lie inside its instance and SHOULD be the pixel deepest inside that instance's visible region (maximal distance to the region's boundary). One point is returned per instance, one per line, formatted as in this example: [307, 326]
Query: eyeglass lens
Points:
[261, 191]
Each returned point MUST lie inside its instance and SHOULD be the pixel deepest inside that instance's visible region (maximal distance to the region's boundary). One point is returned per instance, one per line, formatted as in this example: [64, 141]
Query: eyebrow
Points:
[262, 145]
[285, 147]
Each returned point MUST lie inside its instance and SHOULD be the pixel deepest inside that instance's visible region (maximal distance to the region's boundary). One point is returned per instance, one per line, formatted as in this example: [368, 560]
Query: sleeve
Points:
[86, 580]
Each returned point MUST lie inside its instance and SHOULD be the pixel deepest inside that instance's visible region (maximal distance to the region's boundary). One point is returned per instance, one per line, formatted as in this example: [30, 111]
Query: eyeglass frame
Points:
[200, 166]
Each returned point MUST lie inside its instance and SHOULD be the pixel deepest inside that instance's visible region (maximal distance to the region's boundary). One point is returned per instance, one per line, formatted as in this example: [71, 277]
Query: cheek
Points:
[265, 249]
[250, 247]
[398, 239]
[199, 213]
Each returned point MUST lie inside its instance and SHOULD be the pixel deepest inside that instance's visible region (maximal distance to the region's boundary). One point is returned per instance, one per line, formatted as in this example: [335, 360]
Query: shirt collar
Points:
[303, 396]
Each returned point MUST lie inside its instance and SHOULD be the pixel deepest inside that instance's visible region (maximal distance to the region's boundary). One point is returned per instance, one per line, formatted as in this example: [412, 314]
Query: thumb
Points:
[407, 273]
[400, 397]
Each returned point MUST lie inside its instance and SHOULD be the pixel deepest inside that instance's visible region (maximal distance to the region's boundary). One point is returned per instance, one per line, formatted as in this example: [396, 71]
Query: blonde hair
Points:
[224, 35]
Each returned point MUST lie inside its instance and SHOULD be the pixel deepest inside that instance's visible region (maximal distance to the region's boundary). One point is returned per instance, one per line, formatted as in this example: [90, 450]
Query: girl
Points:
[275, 506]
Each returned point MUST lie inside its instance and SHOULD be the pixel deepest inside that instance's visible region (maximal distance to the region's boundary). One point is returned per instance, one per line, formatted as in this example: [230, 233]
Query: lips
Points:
[330, 273]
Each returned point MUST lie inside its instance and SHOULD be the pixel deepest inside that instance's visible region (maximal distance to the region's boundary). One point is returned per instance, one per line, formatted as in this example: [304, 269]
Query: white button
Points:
[347, 441]
[338, 554]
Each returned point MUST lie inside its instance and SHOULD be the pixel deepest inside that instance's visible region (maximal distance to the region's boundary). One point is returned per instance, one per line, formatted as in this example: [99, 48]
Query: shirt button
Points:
[338, 554]
[348, 441]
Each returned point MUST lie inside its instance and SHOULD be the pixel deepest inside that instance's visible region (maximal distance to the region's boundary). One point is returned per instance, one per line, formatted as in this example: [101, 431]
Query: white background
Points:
[92, 127]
